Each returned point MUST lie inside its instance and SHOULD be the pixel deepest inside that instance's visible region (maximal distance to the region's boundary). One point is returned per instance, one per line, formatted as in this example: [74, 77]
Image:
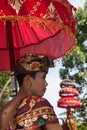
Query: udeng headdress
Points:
[33, 63]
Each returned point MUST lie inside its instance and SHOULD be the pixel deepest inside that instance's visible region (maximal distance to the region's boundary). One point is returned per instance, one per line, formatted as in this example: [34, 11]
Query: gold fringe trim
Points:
[51, 23]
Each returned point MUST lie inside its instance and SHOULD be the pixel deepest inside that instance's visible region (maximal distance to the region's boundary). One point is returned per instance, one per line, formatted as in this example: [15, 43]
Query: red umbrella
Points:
[40, 26]
[68, 100]
[37, 26]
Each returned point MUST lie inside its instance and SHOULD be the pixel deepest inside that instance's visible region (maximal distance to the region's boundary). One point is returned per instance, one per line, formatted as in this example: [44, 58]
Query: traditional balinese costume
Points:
[33, 112]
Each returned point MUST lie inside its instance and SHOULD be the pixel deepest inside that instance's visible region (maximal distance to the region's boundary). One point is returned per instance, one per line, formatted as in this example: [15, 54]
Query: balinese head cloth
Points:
[32, 63]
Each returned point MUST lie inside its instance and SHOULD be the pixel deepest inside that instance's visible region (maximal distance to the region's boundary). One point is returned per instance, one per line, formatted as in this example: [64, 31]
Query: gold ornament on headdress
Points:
[33, 62]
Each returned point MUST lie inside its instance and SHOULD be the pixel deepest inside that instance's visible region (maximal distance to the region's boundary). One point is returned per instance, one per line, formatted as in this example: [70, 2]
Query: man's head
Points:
[31, 64]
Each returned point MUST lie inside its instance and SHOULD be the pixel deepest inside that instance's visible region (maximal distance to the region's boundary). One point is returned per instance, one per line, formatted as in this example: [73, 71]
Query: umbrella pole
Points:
[9, 38]
[71, 119]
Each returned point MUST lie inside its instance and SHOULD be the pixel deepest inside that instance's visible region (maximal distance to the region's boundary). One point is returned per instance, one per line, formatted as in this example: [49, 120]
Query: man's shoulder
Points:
[35, 101]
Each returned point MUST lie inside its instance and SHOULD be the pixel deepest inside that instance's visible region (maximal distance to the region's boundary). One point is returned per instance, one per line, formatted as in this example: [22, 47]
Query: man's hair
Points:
[20, 77]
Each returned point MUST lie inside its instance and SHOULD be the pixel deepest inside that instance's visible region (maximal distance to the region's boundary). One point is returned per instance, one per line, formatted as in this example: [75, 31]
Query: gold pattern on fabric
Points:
[35, 7]
[16, 4]
[35, 114]
[23, 103]
[51, 12]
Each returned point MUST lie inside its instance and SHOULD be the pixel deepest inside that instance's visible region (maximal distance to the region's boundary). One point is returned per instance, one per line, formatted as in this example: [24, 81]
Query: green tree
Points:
[75, 65]
[4, 77]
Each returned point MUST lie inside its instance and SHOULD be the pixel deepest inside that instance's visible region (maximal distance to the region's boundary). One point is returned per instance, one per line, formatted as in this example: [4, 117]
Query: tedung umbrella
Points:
[38, 26]
[68, 100]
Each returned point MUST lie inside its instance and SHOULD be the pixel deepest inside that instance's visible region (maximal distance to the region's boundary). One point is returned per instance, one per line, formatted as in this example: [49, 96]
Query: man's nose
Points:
[46, 84]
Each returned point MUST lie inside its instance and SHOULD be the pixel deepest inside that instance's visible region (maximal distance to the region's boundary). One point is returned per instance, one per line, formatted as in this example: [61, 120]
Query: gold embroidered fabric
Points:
[34, 113]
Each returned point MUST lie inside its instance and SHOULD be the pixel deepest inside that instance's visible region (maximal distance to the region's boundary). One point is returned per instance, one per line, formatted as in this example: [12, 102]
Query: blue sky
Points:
[77, 3]
[52, 93]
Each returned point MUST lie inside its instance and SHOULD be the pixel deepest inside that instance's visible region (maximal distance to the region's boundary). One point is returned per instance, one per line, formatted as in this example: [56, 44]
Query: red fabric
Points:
[67, 91]
[62, 8]
[28, 7]
[66, 102]
[6, 8]
[48, 28]
[35, 112]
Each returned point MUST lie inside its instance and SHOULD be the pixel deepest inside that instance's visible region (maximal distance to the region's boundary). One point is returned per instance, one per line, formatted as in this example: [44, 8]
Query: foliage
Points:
[4, 76]
[75, 65]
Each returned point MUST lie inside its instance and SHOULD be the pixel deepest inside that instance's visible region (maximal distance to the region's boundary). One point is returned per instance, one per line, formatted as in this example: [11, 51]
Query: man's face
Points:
[39, 84]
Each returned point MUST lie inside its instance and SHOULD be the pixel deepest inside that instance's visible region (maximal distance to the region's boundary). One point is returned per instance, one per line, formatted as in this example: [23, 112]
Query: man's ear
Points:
[28, 78]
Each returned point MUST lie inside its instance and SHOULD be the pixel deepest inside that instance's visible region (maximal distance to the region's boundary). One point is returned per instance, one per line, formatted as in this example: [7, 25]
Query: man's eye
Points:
[44, 77]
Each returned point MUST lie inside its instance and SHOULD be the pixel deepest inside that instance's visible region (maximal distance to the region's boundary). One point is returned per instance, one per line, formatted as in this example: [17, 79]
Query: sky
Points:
[53, 79]
[77, 3]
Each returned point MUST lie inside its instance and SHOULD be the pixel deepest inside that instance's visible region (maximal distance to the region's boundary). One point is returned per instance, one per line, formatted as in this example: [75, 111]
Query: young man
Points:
[28, 110]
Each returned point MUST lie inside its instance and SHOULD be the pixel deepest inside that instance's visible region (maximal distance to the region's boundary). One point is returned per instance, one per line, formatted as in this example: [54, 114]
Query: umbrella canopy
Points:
[69, 99]
[38, 26]
[68, 94]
